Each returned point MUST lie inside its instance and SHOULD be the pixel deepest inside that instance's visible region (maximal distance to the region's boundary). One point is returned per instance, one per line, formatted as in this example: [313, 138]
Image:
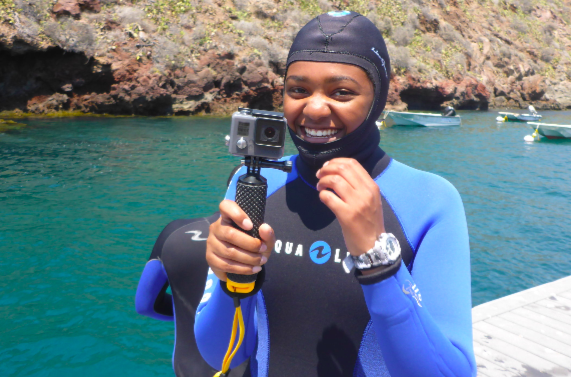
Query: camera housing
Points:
[257, 133]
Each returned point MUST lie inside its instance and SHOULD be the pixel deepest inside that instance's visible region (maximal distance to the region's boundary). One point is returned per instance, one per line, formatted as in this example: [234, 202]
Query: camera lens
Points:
[270, 132]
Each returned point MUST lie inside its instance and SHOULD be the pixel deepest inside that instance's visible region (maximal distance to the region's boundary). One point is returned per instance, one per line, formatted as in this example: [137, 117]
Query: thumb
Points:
[268, 237]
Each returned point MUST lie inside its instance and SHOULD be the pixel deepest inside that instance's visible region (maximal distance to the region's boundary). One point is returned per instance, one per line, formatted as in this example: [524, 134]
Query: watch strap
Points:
[383, 273]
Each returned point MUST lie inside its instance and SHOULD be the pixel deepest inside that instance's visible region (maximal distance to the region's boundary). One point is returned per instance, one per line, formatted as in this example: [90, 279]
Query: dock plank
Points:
[527, 359]
[525, 334]
[527, 323]
[531, 334]
[549, 312]
[541, 351]
[546, 321]
[566, 294]
[494, 363]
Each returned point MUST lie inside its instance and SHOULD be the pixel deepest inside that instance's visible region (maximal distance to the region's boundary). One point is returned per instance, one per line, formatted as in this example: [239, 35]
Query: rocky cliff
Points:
[155, 57]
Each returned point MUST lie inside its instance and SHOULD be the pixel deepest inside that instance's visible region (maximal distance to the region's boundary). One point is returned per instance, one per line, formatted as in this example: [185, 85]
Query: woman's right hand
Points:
[229, 250]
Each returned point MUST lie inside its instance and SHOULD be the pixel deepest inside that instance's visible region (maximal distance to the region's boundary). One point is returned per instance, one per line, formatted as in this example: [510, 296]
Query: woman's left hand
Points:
[357, 205]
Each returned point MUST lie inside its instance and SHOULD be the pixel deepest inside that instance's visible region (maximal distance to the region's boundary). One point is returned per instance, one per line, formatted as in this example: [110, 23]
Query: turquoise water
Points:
[82, 201]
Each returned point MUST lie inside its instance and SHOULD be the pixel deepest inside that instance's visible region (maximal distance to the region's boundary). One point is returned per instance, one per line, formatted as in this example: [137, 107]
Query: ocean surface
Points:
[83, 200]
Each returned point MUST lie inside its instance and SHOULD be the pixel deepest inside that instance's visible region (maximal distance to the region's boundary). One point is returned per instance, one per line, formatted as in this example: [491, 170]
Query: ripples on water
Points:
[82, 202]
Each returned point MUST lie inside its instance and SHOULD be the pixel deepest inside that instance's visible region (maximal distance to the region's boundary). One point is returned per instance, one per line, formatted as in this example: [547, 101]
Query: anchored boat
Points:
[552, 131]
[447, 118]
[514, 117]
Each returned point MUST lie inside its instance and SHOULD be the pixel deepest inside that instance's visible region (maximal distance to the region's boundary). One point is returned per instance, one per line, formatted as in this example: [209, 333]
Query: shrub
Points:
[400, 57]
[249, 28]
[547, 54]
[242, 5]
[519, 26]
[27, 29]
[427, 13]
[259, 44]
[413, 21]
[199, 33]
[548, 29]
[34, 10]
[71, 35]
[402, 35]
[449, 34]
[436, 44]
[130, 15]
[264, 8]
[505, 52]
[167, 54]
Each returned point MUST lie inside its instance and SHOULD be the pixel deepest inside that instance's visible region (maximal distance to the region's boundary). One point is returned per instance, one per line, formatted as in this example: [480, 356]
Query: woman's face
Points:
[325, 101]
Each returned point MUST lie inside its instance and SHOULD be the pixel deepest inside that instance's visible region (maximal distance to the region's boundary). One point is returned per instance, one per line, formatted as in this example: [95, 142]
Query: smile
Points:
[325, 133]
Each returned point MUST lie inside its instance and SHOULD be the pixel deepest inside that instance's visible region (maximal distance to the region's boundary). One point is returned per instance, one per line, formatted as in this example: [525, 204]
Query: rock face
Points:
[153, 57]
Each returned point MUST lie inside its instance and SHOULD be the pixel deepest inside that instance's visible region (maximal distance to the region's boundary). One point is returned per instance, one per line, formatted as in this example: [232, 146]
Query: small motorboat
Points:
[447, 118]
[552, 131]
[514, 117]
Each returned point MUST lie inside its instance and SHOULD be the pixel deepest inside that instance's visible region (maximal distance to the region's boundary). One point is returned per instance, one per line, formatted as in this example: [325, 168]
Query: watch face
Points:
[392, 249]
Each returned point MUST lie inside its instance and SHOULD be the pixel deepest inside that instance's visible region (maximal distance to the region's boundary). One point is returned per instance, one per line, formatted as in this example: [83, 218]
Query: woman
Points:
[344, 196]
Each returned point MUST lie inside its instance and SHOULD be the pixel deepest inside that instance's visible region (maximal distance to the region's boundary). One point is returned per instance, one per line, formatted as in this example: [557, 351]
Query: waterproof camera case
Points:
[257, 133]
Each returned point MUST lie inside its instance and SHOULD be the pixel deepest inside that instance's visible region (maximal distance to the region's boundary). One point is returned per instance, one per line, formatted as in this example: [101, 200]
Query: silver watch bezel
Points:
[379, 255]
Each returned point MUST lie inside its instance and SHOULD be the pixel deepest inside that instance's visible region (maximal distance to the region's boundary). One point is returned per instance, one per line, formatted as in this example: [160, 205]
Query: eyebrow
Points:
[329, 80]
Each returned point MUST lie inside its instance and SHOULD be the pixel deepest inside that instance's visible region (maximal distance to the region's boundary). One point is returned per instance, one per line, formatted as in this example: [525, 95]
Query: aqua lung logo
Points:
[410, 289]
[196, 236]
[319, 252]
[382, 60]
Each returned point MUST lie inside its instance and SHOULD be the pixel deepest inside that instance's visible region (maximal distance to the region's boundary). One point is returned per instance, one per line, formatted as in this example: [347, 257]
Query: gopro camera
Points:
[257, 133]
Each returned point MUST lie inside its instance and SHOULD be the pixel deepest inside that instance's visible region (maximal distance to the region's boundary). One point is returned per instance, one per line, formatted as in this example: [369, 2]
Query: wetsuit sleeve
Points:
[213, 325]
[151, 298]
[423, 322]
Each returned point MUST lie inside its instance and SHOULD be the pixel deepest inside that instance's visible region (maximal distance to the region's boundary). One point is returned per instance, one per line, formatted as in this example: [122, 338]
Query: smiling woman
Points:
[346, 205]
[325, 101]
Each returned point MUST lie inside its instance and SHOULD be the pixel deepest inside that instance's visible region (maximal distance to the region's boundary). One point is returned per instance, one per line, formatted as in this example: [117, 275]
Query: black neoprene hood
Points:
[350, 38]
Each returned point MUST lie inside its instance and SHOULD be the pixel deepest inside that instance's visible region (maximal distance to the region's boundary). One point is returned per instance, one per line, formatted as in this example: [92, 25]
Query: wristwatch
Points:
[385, 253]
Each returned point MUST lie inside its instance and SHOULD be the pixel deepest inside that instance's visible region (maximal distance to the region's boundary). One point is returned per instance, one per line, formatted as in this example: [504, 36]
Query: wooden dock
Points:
[525, 334]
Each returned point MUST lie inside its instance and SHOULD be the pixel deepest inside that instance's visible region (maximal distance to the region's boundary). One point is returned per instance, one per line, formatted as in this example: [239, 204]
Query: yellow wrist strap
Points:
[238, 320]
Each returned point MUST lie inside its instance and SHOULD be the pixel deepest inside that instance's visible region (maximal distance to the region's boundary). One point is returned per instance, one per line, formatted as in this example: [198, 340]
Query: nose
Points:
[316, 107]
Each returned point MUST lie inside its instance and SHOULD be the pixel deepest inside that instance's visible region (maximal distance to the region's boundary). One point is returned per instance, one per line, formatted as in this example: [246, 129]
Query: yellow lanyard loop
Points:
[238, 320]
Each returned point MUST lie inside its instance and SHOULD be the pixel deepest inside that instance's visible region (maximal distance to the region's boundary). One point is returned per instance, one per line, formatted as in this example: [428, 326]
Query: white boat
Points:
[552, 131]
[395, 118]
[514, 117]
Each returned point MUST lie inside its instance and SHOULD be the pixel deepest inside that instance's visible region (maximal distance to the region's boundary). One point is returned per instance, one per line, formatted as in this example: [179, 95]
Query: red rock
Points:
[48, 104]
[74, 7]
[533, 88]
[69, 7]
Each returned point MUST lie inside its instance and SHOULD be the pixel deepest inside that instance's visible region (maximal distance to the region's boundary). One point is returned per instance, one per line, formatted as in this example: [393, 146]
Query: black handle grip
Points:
[251, 191]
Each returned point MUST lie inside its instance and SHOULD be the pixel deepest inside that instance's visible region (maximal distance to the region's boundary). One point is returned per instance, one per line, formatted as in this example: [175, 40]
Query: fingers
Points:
[231, 212]
[229, 250]
[348, 168]
[338, 184]
[242, 261]
[333, 202]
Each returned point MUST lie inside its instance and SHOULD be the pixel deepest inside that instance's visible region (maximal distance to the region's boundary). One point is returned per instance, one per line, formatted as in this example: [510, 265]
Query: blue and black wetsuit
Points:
[178, 260]
[311, 318]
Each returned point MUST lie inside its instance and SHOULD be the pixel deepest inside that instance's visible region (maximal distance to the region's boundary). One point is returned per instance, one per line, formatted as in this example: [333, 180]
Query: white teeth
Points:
[320, 133]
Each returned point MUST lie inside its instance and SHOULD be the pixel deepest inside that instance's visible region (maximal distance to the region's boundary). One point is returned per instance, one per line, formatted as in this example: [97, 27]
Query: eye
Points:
[343, 94]
[297, 91]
